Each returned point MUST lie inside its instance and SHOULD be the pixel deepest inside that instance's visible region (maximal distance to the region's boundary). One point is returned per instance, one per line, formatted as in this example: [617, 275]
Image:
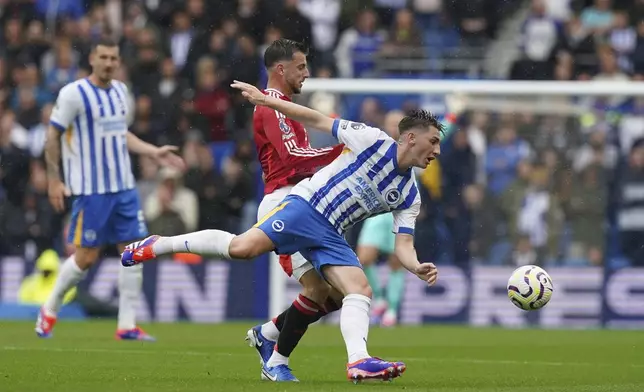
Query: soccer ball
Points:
[530, 287]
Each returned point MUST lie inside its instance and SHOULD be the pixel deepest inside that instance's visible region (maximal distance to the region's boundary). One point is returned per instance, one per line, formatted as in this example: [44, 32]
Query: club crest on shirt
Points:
[287, 132]
[392, 196]
[357, 126]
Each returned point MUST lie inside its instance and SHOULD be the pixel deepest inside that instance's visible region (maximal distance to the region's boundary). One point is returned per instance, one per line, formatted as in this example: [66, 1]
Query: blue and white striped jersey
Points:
[94, 123]
[363, 181]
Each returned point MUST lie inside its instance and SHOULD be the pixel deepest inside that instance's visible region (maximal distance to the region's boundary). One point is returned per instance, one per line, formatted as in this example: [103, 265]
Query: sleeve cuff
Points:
[57, 126]
[334, 128]
[405, 230]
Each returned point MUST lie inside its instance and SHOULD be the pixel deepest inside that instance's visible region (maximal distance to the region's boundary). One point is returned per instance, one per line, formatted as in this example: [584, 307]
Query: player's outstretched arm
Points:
[164, 155]
[309, 117]
[406, 253]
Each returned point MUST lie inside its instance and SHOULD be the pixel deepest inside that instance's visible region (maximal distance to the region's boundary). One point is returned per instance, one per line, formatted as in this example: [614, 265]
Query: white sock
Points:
[277, 359]
[130, 280]
[69, 276]
[205, 242]
[270, 331]
[354, 324]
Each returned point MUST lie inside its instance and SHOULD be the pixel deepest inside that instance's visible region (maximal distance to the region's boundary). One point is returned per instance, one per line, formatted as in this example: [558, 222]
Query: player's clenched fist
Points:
[427, 272]
[250, 92]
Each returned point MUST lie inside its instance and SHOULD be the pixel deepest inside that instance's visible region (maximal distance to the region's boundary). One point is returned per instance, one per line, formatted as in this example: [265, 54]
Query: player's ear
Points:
[411, 138]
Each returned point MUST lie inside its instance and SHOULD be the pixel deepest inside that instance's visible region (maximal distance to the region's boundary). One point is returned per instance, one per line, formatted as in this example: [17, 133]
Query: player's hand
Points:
[250, 92]
[57, 193]
[427, 272]
[165, 156]
[456, 103]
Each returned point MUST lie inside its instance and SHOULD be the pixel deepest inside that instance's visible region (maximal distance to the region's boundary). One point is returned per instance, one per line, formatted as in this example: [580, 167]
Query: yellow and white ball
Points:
[530, 287]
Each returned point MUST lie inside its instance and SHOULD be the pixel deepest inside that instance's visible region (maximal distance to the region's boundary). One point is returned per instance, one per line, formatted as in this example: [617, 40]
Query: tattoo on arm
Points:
[52, 154]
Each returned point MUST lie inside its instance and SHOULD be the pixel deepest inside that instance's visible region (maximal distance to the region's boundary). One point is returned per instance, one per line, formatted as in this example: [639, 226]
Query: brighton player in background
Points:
[377, 233]
[286, 158]
[372, 177]
[89, 124]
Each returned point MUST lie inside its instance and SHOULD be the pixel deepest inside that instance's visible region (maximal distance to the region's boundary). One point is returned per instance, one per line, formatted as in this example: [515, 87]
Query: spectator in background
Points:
[212, 100]
[609, 71]
[630, 210]
[637, 12]
[471, 19]
[253, 18]
[404, 41]
[147, 172]
[502, 158]
[598, 19]
[539, 218]
[483, 221]
[64, 70]
[596, 151]
[29, 81]
[511, 200]
[13, 42]
[558, 10]
[371, 113]
[35, 42]
[61, 49]
[323, 16]
[235, 187]
[459, 166]
[146, 64]
[180, 38]
[27, 112]
[623, 39]
[172, 207]
[292, 23]
[203, 180]
[358, 45]
[166, 98]
[541, 35]
[586, 212]
[637, 57]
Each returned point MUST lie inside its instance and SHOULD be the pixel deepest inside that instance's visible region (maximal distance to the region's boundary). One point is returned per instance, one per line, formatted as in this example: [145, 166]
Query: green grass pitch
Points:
[83, 356]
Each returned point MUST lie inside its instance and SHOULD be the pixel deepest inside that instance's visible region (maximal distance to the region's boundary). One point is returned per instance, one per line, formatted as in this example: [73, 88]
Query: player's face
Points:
[105, 61]
[425, 146]
[296, 71]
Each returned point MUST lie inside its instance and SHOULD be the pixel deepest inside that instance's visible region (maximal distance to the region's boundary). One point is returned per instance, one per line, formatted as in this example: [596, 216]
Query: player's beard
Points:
[106, 76]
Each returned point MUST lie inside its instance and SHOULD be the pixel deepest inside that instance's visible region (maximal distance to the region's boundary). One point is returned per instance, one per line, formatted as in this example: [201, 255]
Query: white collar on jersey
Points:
[274, 90]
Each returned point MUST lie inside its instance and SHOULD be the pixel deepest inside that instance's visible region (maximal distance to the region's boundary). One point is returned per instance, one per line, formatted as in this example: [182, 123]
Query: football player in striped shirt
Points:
[374, 176]
[88, 131]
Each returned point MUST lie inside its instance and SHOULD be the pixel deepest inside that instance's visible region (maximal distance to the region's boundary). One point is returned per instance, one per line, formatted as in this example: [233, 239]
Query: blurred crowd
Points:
[582, 40]
[508, 189]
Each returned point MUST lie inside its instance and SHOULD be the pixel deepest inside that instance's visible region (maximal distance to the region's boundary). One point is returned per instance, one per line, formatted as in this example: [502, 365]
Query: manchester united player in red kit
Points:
[287, 158]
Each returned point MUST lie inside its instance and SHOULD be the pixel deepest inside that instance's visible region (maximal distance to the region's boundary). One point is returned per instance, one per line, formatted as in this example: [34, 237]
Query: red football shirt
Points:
[283, 147]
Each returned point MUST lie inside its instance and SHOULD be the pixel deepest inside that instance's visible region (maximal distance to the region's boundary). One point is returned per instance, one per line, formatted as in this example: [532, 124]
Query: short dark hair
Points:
[283, 49]
[107, 42]
[420, 118]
